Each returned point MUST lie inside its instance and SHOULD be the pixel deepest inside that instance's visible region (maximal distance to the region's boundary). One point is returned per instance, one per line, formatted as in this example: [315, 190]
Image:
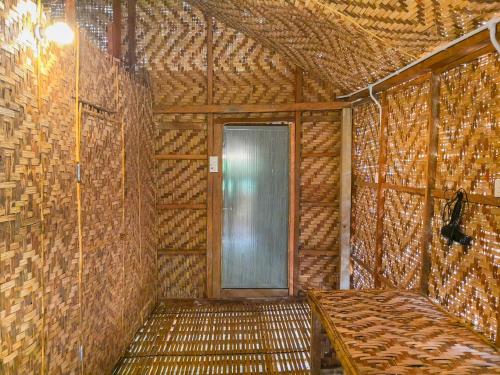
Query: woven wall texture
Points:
[39, 289]
[463, 280]
[351, 43]
[172, 37]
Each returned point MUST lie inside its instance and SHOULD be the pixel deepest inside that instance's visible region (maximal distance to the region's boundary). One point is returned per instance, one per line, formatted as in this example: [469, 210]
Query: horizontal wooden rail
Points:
[252, 108]
[176, 206]
[473, 198]
[180, 157]
[404, 189]
[457, 54]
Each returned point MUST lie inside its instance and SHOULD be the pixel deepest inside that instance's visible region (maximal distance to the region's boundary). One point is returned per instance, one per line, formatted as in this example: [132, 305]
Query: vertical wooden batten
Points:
[379, 232]
[116, 29]
[131, 30]
[210, 150]
[345, 198]
[295, 227]
[70, 11]
[430, 172]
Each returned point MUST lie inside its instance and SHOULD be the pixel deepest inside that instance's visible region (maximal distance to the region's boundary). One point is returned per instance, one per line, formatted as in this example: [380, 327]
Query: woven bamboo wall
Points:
[468, 282]
[172, 37]
[465, 281]
[319, 201]
[39, 306]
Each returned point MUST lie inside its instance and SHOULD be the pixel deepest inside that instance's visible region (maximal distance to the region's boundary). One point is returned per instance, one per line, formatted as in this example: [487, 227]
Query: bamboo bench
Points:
[396, 332]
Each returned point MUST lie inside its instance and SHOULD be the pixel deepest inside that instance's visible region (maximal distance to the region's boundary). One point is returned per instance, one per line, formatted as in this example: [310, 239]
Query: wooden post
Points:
[116, 39]
[345, 199]
[315, 344]
[379, 233]
[433, 123]
[293, 284]
[70, 11]
[132, 42]
[210, 149]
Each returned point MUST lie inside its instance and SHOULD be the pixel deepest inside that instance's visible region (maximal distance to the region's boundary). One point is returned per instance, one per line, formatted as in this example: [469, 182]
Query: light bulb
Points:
[59, 33]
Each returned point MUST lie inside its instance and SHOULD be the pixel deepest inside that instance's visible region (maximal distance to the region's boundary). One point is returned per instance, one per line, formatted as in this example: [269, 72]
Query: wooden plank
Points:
[379, 232]
[253, 293]
[181, 157]
[132, 40]
[254, 121]
[217, 212]
[295, 228]
[315, 343]
[445, 59]
[345, 199]
[70, 12]
[177, 206]
[473, 198]
[252, 108]
[116, 40]
[404, 189]
[210, 146]
[430, 172]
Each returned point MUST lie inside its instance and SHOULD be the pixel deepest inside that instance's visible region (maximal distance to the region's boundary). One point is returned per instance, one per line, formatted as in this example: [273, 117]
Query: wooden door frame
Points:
[214, 273]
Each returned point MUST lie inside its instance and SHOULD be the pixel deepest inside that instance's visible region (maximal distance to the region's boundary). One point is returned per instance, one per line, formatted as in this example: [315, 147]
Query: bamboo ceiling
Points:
[351, 43]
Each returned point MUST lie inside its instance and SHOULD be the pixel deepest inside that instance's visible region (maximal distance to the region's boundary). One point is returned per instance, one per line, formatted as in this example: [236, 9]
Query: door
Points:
[255, 207]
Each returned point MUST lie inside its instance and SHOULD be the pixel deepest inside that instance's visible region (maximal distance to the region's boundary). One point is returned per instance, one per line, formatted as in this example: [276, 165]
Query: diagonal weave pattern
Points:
[401, 243]
[181, 276]
[182, 181]
[407, 129]
[400, 332]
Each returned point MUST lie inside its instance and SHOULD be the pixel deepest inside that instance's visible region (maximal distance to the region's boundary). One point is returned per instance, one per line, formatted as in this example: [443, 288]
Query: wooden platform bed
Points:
[396, 332]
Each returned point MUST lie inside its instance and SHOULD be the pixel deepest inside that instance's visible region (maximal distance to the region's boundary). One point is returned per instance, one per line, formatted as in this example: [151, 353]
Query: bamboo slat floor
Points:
[183, 337]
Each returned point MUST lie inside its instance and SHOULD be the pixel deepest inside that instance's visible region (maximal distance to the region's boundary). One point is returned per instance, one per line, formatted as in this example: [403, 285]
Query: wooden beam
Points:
[316, 328]
[297, 142]
[70, 11]
[254, 121]
[430, 176]
[131, 31]
[252, 108]
[210, 147]
[473, 198]
[454, 54]
[116, 42]
[345, 199]
[180, 157]
[379, 232]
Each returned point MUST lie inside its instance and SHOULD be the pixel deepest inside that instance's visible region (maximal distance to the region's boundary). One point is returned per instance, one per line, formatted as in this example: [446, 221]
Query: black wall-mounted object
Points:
[453, 217]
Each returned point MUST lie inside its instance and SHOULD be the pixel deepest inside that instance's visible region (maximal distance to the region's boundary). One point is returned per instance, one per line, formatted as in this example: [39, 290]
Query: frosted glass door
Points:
[255, 207]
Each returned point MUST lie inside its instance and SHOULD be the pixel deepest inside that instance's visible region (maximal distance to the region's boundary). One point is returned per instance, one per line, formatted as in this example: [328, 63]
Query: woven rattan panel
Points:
[366, 130]
[171, 39]
[400, 332]
[222, 338]
[40, 309]
[402, 238]
[319, 202]
[407, 129]
[245, 72]
[350, 44]
[182, 276]
[364, 198]
[466, 280]
[20, 241]
[61, 251]
[363, 224]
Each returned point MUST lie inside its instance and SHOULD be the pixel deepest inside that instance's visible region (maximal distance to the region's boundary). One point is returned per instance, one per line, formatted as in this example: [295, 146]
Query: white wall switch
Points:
[497, 188]
[213, 164]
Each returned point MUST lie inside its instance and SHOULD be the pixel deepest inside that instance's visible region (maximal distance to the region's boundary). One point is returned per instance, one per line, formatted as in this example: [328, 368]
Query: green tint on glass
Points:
[255, 207]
